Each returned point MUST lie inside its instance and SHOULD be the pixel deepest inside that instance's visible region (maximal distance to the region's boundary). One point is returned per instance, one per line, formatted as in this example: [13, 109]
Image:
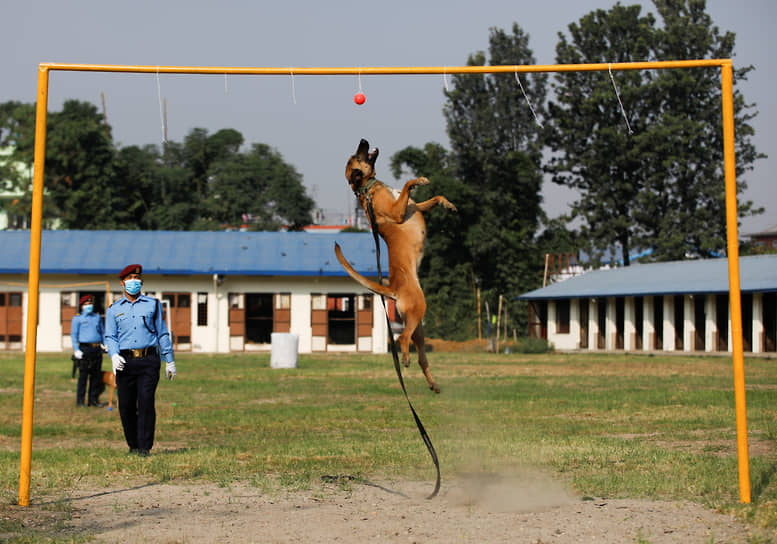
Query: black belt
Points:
[138, 353]
[90, 344]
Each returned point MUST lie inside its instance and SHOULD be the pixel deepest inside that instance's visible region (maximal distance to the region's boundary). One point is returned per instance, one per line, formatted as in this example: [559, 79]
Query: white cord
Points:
[293, 88]
[518, 79]
[623, 111]
[159, 97]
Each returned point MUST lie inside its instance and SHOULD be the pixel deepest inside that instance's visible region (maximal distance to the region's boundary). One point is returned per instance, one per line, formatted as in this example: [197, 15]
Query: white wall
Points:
[204, 339]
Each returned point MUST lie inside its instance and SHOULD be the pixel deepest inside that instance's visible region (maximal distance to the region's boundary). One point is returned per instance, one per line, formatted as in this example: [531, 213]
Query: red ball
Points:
[359, 98]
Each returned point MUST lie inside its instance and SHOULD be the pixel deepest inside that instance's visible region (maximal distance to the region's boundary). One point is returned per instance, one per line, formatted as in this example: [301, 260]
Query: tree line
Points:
[208, 182]
[655, 184]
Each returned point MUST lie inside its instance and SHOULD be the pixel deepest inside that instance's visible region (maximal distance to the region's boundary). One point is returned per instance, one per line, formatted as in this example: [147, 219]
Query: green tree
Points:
[692, 144]
[655, 179]
[17, 122]
[79, 168]
[446, 271]
[497, 145]
[261, 187]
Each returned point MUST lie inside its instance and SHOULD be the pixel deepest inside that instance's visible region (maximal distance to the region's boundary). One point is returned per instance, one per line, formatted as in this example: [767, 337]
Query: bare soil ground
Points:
[475, 508]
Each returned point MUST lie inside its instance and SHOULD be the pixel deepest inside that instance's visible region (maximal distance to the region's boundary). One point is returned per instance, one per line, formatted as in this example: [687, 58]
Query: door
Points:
[318, 322]
[341, 314]
[583, 323]
[68, 308]
[639, 316]
[679, 322]
[620, 321]
[180, 319]
[721, 322]
[10, 321]
[364, 322]
[770, 321]
[601, 321]
[658, 322]
[699, 322]
[282, 313]
[259, 318]
[237, 321]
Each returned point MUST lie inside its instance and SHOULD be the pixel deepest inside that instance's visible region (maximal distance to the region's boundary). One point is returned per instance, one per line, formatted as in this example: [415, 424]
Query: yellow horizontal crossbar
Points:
[388, 70]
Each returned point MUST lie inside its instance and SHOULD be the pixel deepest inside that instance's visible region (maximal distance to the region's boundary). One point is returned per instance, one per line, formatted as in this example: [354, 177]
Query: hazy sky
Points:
[312, 120]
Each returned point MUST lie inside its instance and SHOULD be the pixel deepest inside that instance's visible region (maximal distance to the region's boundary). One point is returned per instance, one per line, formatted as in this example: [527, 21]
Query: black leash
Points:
[424, 435]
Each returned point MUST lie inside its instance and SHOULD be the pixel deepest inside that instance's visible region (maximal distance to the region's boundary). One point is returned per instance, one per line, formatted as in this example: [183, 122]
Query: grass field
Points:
[636, 426]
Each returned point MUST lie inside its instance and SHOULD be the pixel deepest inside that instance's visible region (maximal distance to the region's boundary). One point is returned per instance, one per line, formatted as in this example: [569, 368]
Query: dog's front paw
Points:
[421, 181]
[448, 205]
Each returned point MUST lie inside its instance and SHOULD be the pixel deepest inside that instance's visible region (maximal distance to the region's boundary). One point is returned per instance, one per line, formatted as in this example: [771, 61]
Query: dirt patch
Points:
[469, 346]
[473, 508]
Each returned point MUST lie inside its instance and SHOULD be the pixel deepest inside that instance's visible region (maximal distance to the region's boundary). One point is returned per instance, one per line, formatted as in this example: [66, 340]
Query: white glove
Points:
[78, 354]
[118, 362]
[102, 347]
[170, 370]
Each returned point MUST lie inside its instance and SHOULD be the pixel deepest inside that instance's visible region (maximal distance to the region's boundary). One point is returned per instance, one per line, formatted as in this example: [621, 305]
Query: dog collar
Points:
[366, 187]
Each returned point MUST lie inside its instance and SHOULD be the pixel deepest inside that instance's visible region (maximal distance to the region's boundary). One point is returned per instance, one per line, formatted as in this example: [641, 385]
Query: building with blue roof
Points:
[670, 306]
[222, 291]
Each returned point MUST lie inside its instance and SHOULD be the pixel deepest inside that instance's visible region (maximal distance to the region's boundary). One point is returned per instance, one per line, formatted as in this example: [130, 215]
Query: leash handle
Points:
[421, 429]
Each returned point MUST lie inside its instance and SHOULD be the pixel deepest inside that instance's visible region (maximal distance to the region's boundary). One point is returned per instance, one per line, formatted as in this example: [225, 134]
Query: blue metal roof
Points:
[175, 252]
[756, 274]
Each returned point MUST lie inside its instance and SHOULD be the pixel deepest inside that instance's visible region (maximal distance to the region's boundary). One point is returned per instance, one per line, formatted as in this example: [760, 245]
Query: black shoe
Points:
[98, 404]
[143, 453]
[132, 451]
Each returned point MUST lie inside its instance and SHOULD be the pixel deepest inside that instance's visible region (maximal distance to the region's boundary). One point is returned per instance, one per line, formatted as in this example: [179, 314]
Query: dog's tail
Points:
[371, 285]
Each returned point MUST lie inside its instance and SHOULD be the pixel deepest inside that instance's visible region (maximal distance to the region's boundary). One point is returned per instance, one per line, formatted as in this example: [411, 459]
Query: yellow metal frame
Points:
[726, 69]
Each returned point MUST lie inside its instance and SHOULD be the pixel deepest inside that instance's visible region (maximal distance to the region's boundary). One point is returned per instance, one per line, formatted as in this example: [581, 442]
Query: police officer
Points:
[137, 340]
[87, 335]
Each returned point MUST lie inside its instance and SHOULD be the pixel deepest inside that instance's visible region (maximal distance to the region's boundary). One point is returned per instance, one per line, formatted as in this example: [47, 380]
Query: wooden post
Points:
[480, 319]
[504, 333]
[498, 323]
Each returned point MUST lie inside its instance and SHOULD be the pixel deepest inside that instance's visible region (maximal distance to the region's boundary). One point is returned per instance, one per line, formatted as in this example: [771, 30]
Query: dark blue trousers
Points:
[90, 370]
[136, 385]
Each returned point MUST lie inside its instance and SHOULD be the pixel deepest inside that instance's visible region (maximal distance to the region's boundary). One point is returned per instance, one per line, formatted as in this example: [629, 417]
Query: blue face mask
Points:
[88, 308]
[132, 286]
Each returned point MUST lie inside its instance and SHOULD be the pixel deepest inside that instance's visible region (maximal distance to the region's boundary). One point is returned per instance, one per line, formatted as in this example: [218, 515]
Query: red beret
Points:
[85, 299]
[130, 269]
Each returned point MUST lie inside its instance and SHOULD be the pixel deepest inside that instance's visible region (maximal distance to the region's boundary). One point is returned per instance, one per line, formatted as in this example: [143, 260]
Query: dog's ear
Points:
[363, 149]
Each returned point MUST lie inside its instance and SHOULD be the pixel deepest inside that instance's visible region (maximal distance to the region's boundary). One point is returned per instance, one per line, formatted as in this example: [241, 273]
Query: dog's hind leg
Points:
[423, 362]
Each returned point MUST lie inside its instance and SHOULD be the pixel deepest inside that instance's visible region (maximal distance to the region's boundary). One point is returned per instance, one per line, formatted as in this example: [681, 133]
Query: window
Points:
[202, 309]
[562, 316]
[318, 302]
[283, 301]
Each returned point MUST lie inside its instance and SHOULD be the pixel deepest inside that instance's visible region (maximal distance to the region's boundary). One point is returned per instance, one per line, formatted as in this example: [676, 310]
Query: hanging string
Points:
[226, 91]
[518, 79]
[159, 97]
[293, 88]
[623, 111]
[445, 79]
[360, 79]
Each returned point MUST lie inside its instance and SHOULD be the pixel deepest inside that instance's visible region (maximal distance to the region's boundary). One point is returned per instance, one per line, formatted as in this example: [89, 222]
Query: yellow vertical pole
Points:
[33, 287]
[733, 280]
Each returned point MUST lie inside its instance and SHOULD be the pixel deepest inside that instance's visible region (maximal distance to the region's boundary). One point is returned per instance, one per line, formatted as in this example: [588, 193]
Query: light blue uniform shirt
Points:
[137, 325]
[86, 329]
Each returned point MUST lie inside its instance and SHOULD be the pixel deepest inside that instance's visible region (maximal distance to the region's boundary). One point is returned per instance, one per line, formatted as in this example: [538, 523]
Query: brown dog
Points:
[401, 224]
[109, 380]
